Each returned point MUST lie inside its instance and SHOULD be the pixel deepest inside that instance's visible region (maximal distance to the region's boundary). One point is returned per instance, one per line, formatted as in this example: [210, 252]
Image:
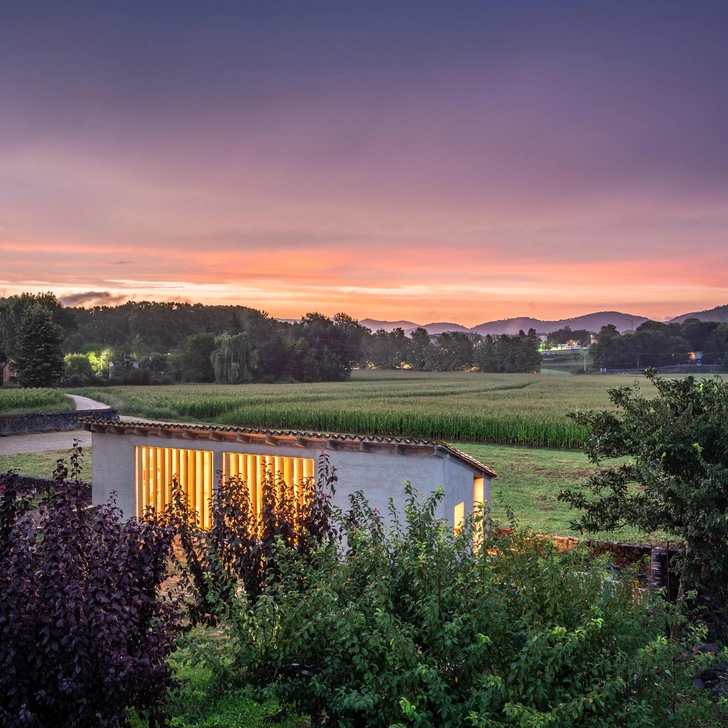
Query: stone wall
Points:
[49, 421]
[654, 559]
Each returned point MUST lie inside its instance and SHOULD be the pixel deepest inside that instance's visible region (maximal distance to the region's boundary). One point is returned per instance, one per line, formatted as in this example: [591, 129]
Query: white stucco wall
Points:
[378, 474]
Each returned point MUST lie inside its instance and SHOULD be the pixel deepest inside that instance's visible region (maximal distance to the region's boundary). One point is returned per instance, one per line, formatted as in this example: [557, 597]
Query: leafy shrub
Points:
[196, 703]
[676, 477]
[237, 548]
[84, 634]
[412, 626]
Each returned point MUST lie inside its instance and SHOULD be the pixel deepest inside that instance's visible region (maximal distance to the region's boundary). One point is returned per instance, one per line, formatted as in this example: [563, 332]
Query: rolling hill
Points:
[590, 322]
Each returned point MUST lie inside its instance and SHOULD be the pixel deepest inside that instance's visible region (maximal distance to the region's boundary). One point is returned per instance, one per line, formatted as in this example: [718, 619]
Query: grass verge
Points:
[42, 464]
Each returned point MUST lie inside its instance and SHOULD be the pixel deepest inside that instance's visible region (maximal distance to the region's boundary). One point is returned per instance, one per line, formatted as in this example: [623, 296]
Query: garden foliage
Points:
[84, 634]
[676, 477]
[412, 626]
[236, 551]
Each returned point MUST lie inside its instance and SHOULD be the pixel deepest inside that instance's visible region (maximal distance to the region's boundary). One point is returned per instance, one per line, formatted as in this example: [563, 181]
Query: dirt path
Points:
[84, 403]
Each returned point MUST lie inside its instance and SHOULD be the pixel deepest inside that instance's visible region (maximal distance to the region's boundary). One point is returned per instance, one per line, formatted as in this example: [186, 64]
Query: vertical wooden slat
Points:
[199, 480]
[260, 474]
[138, 479]
[297, 467]
[478, 491]
[252, 481]
[276, 467]
[166, 475]
[209, 484]
[152, 480]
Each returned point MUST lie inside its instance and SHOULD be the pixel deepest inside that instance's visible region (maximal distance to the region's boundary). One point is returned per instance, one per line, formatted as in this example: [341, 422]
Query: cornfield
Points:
[32, 400]
[468, 407]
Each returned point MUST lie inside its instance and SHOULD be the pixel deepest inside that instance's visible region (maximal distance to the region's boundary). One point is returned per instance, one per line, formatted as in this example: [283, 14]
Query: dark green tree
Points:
[420, 347]
[454, 352]
[78, 371]
[331, 343]
[14, 308]
[352, 334]
[192, 359]
[697, 332]
[653, 344]
[508, 354]
[716, 345]
[565, 335]
[39, 360]
[676, 476]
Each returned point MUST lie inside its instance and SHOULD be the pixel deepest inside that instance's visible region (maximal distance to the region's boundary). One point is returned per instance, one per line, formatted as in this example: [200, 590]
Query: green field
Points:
[42, 464]
[518, 409]
[16, 401]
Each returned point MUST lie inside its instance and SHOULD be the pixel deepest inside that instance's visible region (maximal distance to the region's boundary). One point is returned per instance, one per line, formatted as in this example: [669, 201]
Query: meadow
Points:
[15, 400]
[515, 409]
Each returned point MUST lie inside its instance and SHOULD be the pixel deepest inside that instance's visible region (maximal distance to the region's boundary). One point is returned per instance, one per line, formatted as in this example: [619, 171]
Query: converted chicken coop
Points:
[138, 461]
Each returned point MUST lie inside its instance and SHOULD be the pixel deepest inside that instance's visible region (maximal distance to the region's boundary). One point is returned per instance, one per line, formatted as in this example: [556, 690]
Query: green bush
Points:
[196, 703]
[412, 627]
[663, 467]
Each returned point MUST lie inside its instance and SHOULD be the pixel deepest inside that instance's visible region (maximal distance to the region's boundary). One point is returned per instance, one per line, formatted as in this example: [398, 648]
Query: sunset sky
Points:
[432, 161]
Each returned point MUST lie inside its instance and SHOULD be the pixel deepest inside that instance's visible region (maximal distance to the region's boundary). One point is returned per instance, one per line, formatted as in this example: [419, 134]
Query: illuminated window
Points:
[252, 469]
[156, 467]
[459, 517]
[478, 491]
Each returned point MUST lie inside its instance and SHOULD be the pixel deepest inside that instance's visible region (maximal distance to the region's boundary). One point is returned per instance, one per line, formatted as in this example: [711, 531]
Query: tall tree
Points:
[13, 309]
[39, 360]
[192, 359]
[234, 359]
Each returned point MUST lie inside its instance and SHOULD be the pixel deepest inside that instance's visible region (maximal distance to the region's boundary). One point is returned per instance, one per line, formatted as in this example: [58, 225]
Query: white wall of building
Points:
[378, 474]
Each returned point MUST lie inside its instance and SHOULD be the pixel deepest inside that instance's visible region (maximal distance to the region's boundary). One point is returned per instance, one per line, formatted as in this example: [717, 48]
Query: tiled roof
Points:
[297, 438]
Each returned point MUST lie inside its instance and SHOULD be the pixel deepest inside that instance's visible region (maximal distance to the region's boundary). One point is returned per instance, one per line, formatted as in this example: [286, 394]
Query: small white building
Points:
[138, 460]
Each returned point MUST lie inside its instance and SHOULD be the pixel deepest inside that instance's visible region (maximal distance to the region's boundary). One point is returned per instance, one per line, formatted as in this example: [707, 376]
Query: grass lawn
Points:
[529, 481]
[42, 464]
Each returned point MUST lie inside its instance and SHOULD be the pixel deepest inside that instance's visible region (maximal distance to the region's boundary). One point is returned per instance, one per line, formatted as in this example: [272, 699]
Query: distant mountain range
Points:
[590, 322]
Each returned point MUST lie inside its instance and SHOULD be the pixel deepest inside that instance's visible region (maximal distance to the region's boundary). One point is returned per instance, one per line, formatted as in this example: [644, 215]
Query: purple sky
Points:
[425, 160]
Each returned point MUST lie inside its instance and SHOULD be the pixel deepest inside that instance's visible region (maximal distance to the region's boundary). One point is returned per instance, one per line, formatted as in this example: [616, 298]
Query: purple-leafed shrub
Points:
[84, 631]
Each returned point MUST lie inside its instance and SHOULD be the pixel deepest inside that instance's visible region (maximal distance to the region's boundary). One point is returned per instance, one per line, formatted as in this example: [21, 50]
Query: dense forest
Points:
[144, 342]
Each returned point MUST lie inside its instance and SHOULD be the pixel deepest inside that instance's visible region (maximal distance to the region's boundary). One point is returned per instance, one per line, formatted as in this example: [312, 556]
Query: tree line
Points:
[655, 344]
[146, 342]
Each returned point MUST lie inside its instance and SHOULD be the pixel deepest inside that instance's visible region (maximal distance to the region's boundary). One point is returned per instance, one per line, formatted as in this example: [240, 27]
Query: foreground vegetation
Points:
[17, 401]
[317, 618]
[459, 406]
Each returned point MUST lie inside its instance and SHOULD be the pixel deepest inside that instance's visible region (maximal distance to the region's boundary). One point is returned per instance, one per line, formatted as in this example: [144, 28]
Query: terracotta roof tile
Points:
[327, 440]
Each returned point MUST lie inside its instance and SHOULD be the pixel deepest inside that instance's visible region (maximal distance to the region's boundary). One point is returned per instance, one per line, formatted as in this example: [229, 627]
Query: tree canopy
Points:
[676, 477]
[39, 351]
